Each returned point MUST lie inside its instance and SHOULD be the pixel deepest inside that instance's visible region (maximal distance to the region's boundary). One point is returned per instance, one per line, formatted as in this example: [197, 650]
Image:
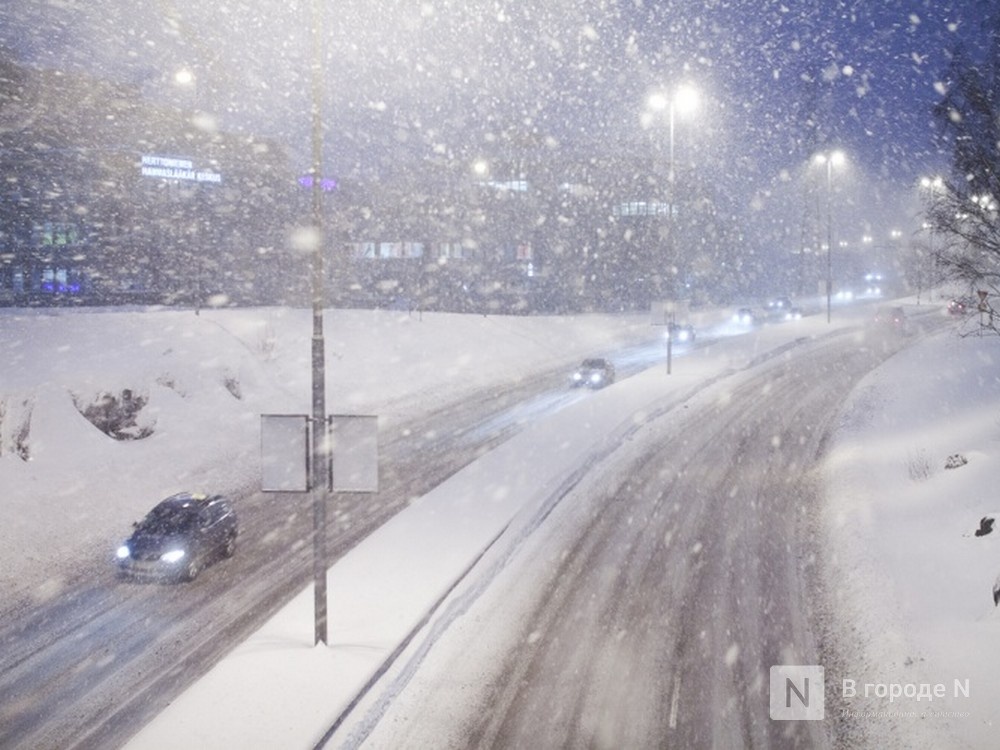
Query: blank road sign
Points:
[354, 445]
[284, 452]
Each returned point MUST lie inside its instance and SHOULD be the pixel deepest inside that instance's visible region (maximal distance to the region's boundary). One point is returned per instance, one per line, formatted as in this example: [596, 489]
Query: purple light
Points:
[326, 184]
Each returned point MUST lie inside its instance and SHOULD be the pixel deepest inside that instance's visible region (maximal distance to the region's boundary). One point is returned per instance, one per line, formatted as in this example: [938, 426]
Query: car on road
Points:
[595, 372]
[959, 306]
[793, 313]
[778, 306]
[892, 319]
[744, 316]
[680, 332]
[179, 537]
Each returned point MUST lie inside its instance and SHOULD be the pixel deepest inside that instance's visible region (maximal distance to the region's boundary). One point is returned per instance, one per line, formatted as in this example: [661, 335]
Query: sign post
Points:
[340, 456]
[664, 313]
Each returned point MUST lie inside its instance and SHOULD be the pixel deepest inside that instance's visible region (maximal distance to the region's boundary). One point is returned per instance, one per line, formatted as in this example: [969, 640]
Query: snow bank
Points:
[915, 583]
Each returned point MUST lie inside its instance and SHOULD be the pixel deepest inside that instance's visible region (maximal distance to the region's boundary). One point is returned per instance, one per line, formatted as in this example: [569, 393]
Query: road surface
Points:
[649, 608]
[88, 668]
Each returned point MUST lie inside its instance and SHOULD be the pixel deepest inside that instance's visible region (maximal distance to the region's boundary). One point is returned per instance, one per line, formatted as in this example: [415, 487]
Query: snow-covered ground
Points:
[204, 381]
[906, 568]
[914, 583]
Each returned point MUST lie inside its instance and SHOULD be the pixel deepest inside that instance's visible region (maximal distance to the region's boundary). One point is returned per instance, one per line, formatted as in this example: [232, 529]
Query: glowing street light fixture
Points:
[683, 99]
[831, 159]
[480, 168]
[932, 183]
[184, 77]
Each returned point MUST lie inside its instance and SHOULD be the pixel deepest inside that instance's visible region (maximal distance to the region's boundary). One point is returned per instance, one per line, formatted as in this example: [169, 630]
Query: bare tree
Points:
[964, 207]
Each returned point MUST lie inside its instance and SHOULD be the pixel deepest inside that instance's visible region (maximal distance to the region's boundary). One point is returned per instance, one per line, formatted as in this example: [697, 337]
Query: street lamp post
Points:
[683, 100]
[830, 159]
[187, 81]
[318, 432]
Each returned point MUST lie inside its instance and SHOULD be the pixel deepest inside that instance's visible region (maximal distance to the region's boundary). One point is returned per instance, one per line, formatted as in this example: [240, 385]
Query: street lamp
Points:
[831, 159]
[184, 77]
[684, 99]
[319, 447]
[481, 169]
[186, 80]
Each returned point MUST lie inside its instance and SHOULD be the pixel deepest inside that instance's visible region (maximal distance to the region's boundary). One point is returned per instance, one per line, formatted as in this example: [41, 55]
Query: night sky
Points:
[404, 80]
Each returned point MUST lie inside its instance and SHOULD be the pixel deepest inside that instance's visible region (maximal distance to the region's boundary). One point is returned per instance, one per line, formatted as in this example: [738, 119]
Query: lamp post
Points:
[830, 159]
[186, 80]
[318, 432]
[683, 99]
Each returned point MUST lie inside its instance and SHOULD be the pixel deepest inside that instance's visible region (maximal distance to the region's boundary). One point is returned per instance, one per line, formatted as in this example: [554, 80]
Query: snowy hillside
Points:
[192, 388]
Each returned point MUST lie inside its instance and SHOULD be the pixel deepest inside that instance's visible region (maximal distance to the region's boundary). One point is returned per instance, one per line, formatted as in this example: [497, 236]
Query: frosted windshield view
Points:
[499, 374]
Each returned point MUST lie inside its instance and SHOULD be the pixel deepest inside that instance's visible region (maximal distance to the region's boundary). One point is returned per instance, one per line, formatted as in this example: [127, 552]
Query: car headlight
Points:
[123, 552]
[595, 378]
[174, 555]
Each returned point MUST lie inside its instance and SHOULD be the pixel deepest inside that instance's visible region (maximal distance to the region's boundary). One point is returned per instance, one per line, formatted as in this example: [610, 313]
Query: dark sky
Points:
[406, 79]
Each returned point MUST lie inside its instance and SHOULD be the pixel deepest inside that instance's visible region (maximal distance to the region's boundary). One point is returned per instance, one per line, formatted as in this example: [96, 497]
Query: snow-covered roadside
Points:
[911, 580]
[911, 583]
[206, 379]
[277, 689]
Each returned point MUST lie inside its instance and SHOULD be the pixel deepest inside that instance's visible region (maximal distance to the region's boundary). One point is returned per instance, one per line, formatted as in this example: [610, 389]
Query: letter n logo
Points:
[797, 693]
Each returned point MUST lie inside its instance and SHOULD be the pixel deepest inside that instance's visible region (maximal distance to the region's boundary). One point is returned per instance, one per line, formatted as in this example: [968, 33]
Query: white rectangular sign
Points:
[284, 452]
[354, 446]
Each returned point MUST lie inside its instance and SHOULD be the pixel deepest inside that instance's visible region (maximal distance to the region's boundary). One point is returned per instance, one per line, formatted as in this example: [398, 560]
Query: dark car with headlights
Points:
[594, 373]
[680, 332]
[892, 319]
[179, 537]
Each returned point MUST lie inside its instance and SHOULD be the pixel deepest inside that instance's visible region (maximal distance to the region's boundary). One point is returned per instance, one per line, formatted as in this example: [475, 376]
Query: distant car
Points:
[680, 332]
[793, 313]
[744, 316]
[778, 305]
[593, 373]
[179, 537]
[892, 318]
[958, 307]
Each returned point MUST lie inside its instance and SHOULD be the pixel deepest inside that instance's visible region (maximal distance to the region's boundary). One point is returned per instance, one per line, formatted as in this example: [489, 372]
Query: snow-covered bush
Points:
[116, 415]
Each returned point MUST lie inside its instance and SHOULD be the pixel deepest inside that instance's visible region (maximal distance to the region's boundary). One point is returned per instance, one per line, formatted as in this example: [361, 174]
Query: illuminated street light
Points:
[683, 100]
[185, 80]
[480, 168]
[932, 183]
[184, 77]
[831, 159]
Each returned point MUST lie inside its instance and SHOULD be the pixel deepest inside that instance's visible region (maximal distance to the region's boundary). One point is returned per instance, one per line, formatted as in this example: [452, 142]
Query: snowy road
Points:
[90, 666]
[93, 665]
[649, 607]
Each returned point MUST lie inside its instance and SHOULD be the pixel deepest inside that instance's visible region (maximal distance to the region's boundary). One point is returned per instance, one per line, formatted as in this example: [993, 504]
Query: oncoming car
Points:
[959, 306]
[744, 317]
[178, 537]
[793, 313]
[681, 332]
[892, 319]
[593, 373]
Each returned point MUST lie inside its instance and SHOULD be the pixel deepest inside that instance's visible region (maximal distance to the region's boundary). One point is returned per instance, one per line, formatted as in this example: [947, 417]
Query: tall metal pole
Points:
[318, 432]
[829, 234]
[670, 190]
